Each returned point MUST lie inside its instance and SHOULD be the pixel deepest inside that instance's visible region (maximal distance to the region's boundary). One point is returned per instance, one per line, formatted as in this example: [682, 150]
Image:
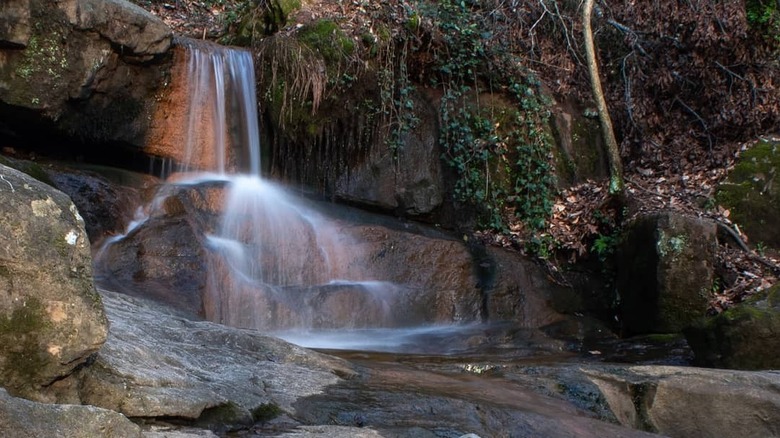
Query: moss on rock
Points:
[752, 193]
[20, 331]
[327, 38]
[747, 336]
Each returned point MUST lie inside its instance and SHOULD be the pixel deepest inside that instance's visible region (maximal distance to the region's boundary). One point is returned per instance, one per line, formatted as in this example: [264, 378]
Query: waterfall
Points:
[222, 109]
[272, 261]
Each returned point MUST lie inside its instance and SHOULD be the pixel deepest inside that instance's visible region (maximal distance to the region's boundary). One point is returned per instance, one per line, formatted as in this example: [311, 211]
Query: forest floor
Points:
[582, 213]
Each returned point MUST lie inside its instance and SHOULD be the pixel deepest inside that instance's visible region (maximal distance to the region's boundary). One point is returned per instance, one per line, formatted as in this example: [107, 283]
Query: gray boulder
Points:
[665, 271]
[120, 22]
[51, 317]
[22, 418]
[157, 364]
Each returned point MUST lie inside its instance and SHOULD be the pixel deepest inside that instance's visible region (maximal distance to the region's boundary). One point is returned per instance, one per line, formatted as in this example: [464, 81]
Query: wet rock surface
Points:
[105, 207]
[377, 272]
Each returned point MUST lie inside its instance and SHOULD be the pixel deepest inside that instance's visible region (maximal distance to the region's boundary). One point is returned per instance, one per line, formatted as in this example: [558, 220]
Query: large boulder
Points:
[89, 69]
[156, 364]
[165, 257]
[746, 336]
[172, 257]
[681, 402]
[51, 317]
[752, 193]
[519, 290]
[22, 418]
[665, 272]
[377, 272]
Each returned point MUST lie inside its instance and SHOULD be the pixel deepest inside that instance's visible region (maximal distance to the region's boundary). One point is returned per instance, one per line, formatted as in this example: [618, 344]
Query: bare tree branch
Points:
[616, 183]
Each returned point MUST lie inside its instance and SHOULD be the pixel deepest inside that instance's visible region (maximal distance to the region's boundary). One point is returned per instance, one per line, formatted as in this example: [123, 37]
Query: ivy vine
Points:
[502, 157]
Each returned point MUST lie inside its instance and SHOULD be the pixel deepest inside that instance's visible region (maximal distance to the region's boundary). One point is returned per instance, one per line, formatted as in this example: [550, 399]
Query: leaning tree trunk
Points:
[616, 183]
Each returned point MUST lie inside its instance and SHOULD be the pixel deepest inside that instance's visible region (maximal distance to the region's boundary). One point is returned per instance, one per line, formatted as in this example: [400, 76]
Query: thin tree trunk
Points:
[616, 183]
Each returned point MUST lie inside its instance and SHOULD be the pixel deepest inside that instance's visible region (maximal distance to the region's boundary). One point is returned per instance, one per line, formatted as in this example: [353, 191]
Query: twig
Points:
[631, 33]
[627, 94]
[743, 246]
[699, 118]
[571, 46]
[734, 74]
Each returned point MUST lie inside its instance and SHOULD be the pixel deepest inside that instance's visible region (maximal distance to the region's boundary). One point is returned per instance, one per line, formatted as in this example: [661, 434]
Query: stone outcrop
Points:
[746, 336]
[579, 149]
[680, 401]
[88, 69]
[164, 257]
[169, 258]
[51, 317]
[752, 193]
[120, 22]
[664, 272]
[517, 290]
[400, 275]
[407, 180]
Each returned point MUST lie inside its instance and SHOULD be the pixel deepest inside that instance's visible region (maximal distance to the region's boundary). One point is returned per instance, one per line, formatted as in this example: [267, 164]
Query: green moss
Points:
[763, 16]
[752, 194]
[31, 168]
[413, 23]
[226, 416]
[662, 338]
[253, 20]
[740, 313]
[326, 38]
[266, 412]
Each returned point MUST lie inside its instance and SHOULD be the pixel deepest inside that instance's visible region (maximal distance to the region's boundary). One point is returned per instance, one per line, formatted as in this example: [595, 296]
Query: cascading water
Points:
[273, 262]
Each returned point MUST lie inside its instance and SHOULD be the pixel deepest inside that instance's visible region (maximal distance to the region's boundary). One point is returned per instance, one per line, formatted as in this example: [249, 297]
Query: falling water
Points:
[274, 262]
[222, 109]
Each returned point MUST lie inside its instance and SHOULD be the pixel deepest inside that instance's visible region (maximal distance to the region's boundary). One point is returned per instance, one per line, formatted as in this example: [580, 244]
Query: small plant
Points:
[761, 249]
[764, 16]
[604, 246]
